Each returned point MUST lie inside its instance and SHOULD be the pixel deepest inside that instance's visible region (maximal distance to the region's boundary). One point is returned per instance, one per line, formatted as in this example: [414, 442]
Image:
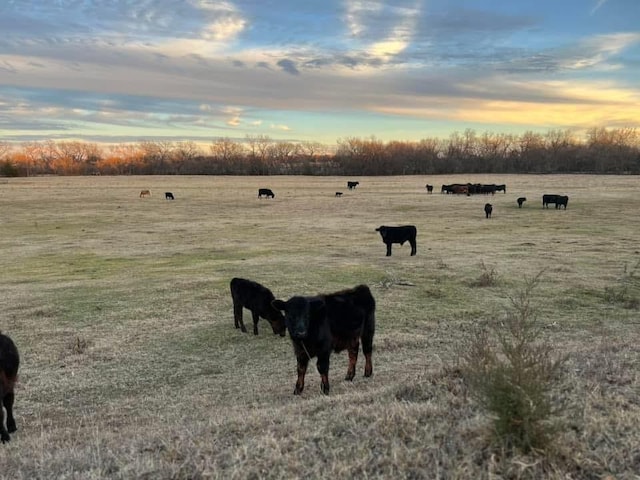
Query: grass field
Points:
[131, 367]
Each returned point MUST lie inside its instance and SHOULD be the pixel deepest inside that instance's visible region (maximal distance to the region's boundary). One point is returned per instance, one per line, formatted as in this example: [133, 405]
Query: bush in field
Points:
[510, 371]
[488, 276]
[625, 291]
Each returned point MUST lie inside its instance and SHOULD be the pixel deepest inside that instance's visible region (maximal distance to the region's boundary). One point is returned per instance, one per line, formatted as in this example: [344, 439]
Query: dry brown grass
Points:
[131, 367]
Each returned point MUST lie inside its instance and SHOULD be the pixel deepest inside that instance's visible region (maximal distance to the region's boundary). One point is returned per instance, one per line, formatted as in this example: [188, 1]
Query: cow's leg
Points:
[323, 369]
[256, 317]
[354, 346]
[237, 316]
[4, 435]
[389, 249]
[303, 361]
[412, 242]
[8, 405]
[368, 366]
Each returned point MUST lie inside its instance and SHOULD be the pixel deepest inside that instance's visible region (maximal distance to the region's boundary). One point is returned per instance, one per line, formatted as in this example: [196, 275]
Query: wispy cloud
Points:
[596, 7]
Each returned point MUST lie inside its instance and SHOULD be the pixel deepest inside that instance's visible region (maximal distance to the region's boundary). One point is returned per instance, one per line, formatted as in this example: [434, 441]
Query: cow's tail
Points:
[369, 327]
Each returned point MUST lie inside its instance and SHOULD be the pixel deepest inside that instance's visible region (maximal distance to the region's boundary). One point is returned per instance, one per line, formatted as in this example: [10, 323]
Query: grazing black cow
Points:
[267, 192]
[405, 233]
[335, 321]
[338, 194]
[502, 187]
[521, 200]
[256, 298]
[9, 363]
[429, 188]
[488, 208]
[169, 196]
[352, 185]
[558, 200]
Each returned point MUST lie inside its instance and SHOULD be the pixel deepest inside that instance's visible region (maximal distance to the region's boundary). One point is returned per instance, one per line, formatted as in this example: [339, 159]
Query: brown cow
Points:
[145, 193]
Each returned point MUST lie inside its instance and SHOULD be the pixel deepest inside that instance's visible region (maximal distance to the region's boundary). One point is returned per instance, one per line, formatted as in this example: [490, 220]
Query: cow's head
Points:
[383, 231]
[299, 313]
[276, 320]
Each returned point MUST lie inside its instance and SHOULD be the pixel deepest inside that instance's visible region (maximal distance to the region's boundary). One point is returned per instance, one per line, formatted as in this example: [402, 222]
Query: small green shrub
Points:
[510, 371]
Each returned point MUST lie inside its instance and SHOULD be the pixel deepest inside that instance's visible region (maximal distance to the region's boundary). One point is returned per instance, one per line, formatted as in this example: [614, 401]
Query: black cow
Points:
[488, 208]
[429, 188]
[352, 185]
[256, 298]
[502, 187]
[521, 200]
[267, 192]
[168, 196]
[9, 363]
[338, 194]
[335, 321]
[558, 200]
[405, 233]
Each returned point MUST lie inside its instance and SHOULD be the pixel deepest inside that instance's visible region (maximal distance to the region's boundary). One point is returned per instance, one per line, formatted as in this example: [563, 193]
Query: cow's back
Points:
[250, 294]
[349, 310]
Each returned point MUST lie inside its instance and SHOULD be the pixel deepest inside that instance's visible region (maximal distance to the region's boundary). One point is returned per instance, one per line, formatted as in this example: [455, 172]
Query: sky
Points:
[116, 71]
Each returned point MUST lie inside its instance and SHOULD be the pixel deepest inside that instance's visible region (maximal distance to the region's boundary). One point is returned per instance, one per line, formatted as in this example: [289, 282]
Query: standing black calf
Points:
[9, 363]
[256, 298]
[405, 233]
[168, 196]
[335, 321]
[488, 208]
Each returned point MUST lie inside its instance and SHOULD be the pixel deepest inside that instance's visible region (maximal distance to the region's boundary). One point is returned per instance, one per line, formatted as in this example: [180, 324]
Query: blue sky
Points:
[124, 70]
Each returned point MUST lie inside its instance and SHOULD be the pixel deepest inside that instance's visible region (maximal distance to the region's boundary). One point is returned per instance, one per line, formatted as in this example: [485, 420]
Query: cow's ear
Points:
[279, 305]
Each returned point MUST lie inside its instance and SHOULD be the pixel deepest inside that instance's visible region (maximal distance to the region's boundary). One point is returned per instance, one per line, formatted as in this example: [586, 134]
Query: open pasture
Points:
[131, 366]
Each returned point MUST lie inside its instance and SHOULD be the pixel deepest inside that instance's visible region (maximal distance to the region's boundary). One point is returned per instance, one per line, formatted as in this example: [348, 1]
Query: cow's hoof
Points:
[298, 390]
[349, 376]
[325, 389]
[5, 438]
[11, 427]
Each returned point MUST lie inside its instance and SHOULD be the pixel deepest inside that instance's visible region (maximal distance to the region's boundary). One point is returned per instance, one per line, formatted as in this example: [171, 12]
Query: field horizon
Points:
[131, 366]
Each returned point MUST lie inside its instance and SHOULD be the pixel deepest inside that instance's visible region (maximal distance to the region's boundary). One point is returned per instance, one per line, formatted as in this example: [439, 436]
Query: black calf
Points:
[256, 298]
[335, 322]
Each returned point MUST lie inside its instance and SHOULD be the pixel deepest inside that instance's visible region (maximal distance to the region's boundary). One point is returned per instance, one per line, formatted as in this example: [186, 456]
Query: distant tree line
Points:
[557, 151]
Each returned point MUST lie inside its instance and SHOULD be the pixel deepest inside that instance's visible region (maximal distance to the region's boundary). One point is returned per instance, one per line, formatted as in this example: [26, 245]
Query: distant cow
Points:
[256, 298]
[352, 185]
[169, 196]
[338, 194]
[502, 187]
[405, 233]
[145, 193]
[335, 322]
[266, 192]
[521, 200]
[558, 200]
[429, 188]
[488, 208]
[9, 363]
